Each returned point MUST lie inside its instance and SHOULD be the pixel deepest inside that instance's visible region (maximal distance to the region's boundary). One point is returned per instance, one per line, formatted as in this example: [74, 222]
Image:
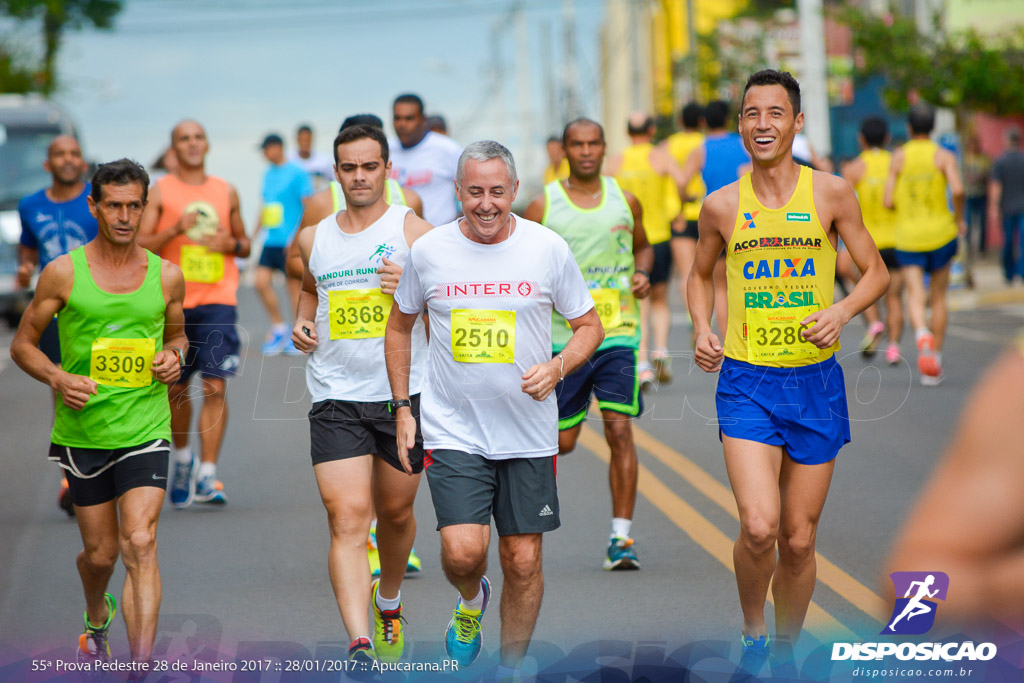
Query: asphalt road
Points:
[250, 580]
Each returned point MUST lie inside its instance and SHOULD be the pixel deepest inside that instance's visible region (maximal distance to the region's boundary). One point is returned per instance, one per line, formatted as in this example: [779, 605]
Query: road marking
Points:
[820, 623]
[978, 335]
[849, 588]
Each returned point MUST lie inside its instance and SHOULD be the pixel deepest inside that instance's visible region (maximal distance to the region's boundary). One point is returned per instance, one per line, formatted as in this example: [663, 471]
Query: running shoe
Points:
[64, 501]
[371, 552]
[782, 662]
[290, 350]
[753, 653]
[93, 644]
[869, 345]
[361, 651]
[209, 490]
[662, 365]
[387, 629]
[276, 341]
[414, 564]
[645, 373]
[462, 640]
[183, 483]
[892, 354]
[934, 377]
[621, 555]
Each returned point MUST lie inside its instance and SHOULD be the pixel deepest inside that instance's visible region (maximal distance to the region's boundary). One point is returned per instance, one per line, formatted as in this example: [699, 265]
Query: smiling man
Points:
[781, 399]
[490, 422]
[121, 330]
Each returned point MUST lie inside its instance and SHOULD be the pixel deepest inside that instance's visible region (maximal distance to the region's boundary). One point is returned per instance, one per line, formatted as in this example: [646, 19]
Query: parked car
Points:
[27, 125]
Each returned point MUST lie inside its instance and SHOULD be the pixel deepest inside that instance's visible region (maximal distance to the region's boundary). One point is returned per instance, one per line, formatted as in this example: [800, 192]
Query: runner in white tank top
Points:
[352, 263]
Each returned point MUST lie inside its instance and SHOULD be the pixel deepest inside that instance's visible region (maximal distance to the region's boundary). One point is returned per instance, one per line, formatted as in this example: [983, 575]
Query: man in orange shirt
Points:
[193, 220]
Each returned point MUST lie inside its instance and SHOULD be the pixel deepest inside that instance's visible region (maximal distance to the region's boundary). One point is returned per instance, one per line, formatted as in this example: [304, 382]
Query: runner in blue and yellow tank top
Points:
[868, 174]
[122, 332]
[684, 227]
[603, 227]
[922, 179]
[651, 175]
[781, 399]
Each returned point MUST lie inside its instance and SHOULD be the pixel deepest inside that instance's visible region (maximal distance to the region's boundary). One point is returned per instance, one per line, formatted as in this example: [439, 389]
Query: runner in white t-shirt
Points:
[352, 263]
[490, 420]
[424, 161]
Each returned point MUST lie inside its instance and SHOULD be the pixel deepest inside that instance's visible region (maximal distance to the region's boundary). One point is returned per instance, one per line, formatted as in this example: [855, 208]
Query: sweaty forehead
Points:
[359, 151]
[490, 173]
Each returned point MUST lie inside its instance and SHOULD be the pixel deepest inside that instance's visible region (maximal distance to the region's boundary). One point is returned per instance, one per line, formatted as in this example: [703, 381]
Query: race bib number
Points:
[608, 306]
[199, 264]
[483, 336]
[122, 362]
[272, 215]
[776, 334]
[358, 313]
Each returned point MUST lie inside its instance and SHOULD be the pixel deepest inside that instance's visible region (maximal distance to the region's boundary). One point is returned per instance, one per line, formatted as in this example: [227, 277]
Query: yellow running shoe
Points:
[371, 553]
[414, 564]
[93, 644]
[387, 629]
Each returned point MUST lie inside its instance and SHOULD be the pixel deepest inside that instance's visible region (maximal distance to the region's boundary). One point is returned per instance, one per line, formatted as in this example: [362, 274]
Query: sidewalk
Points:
[990, 289]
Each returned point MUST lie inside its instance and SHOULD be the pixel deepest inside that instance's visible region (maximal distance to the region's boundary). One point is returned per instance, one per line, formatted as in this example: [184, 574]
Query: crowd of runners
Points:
[418, 297]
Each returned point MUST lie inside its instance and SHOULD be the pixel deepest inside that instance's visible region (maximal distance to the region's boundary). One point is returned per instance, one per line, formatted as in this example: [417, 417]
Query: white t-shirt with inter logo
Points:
[429, 168]
[490, 321]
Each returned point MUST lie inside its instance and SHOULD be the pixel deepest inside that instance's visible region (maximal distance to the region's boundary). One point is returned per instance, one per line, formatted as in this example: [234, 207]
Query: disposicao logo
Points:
[914, 614]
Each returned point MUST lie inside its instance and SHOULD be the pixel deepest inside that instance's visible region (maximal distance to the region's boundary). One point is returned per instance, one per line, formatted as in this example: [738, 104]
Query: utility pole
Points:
[814, 89]
[523, 65]
[550, 97]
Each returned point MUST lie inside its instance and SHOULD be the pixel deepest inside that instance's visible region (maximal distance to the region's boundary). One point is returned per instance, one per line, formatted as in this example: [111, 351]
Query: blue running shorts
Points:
[610, 374]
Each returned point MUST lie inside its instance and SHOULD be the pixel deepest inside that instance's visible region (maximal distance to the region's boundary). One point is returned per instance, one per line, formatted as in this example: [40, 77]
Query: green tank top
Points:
[112, 339]
[601, 240]
[392, 194]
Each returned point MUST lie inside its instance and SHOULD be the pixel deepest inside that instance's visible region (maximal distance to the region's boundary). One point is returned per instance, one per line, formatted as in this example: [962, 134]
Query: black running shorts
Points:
[97, 475]
[347, 429]
[520, 493]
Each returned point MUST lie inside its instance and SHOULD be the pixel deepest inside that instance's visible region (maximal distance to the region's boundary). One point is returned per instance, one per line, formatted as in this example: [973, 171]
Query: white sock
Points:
[386, 604]
[621, 527]
[182, 455]
[505, 673]
[920, 333]
[476, 604]
[207, 469]
[279, 328]
[938, 357]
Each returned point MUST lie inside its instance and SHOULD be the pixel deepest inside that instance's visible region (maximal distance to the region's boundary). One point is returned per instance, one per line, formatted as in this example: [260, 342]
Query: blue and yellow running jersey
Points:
[880, 221]
[654, 191]
[780, 268]
[924, 221]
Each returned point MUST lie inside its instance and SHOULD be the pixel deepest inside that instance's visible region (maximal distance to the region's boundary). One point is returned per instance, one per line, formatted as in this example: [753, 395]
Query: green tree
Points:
[56, 16]
[962, 71]
[15, 76]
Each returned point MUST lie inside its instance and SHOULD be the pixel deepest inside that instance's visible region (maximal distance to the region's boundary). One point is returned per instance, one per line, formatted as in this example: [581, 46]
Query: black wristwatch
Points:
[181, 356]
[395, 404]
[643, 272]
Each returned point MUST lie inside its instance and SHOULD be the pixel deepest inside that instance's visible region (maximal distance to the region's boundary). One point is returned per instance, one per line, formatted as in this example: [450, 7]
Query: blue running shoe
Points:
[209, 490]
[463, 639]
[290, 350]
[782, 660]
[753, 653]
[183, 483]
[275, 344]
[621, 555]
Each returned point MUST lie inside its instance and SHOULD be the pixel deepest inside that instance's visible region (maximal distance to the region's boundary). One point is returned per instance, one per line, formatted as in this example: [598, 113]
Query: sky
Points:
[247, 68]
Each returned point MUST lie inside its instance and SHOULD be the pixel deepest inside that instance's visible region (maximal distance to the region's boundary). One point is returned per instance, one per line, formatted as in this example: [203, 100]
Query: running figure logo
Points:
[383, 251]
[914, 613]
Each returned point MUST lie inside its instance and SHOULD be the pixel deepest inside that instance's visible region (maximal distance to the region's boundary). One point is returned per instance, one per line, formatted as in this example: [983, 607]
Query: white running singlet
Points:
[490, 321]
[351, 312]
[429, 168]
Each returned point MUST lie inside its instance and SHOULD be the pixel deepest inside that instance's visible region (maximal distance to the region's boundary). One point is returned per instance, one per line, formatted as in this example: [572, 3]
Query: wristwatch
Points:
[181, 356]
[395, 404]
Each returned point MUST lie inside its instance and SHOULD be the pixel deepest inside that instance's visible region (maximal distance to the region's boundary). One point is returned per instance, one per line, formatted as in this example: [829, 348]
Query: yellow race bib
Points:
[199, 264]
[358, 313]
[608, 304]
[483, 336]
[776, 334]
[122, 362]
[272, 215]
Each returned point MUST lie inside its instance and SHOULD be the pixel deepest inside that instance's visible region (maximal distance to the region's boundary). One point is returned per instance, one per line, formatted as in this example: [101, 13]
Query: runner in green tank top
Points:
[603, 226]
[122, 334]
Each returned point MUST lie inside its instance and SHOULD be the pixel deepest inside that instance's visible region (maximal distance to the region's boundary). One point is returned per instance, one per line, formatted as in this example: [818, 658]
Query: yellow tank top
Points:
[780, 268]
[680, 145]
[651, 189]
[561, 173]
[880, 221]
[923, 219]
